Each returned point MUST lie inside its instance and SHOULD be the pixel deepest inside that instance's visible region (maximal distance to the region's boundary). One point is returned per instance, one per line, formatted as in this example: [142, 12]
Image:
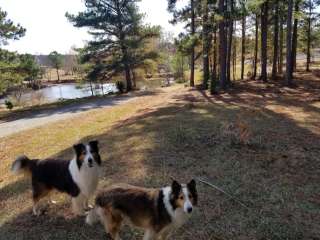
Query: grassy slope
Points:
[177, 132]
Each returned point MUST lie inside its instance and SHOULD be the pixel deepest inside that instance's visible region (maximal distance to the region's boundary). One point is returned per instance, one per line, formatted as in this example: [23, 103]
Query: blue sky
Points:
[48, 29]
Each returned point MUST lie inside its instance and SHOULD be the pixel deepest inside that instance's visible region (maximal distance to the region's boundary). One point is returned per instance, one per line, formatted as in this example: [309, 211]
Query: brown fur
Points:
[143, 207]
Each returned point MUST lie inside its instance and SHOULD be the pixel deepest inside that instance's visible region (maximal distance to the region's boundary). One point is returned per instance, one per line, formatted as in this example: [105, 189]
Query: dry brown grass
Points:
[177, 132]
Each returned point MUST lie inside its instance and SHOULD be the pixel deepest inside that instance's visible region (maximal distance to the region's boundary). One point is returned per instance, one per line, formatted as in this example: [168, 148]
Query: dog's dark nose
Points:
[90, 161]
[189, 209]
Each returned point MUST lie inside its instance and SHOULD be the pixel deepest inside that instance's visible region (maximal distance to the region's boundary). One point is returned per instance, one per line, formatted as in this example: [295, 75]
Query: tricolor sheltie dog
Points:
[157, 211]
[77, 177]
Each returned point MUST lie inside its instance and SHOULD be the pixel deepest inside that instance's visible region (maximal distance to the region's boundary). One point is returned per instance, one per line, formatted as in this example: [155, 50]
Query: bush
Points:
[120, 86]
[8, 104]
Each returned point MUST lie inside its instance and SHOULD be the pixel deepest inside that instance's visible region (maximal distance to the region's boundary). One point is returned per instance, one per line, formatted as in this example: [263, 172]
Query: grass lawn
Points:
[184, 133]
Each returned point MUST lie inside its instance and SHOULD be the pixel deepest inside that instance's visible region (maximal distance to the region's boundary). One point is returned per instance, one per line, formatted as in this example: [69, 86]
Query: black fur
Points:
[79, 149]
[94, 148]
[163, 216]
[193, 190]
[53, 174]
[176, 190]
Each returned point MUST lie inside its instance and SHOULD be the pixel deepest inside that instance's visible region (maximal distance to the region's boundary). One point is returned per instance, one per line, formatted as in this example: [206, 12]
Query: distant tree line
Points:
[271, 33]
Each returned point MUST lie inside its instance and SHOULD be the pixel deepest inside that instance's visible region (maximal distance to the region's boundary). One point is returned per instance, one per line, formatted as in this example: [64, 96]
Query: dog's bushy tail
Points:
[93, 216]
[21, 164]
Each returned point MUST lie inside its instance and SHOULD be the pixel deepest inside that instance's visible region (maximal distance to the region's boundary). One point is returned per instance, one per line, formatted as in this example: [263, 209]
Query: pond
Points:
[62, 91]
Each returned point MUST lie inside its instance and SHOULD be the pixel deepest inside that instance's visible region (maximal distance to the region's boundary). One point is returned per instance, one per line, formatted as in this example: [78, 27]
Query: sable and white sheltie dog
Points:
[77, 177]
[157, 211]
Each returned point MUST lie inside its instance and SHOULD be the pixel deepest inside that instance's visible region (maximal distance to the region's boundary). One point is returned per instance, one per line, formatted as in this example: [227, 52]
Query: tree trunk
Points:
[193, 30]
[206, 45]
[289, 44]
[213, 84]
[58, 74]
[222, 47]
[309, 40]
[295, 38]
[264, 41]
[255, 63]
[229, 48]
[275, 40]
[280, 67]
[134, 78]
[234, 58]
[243, 46]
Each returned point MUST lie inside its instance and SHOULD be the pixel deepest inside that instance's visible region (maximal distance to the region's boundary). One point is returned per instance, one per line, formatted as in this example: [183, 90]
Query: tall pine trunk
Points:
[229, 48]
[289, 44]
[213, 84]
[264, 41]
[275, 40]
[280, 67]
[309, 39]
[243, 45]
[222, 47]
[193, 30]
[295, 38]
[256, 43]
[234, 58]
[206, 45]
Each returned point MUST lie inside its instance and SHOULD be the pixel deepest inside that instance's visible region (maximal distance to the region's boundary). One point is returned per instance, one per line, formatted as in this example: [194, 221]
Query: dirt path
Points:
[41, 117]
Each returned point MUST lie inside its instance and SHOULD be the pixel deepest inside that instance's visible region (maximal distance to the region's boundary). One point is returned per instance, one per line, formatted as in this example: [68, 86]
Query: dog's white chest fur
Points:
[86, 178]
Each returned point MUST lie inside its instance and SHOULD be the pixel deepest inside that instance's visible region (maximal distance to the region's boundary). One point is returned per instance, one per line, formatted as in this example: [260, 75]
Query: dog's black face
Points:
[87, 154]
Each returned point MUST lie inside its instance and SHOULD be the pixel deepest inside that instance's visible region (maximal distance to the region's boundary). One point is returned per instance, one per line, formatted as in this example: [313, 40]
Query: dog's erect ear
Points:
[94, 145]
[79, 149]
[176, 187]
[192, 187]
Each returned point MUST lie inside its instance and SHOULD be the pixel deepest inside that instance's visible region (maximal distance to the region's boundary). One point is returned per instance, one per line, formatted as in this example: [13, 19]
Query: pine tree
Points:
[118, 31]
[8, 30]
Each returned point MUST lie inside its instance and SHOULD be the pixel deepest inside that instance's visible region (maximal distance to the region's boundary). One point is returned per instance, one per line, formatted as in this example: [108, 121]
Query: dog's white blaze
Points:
[166, 200]
[187, 202]
[179, 216]
[87, 177]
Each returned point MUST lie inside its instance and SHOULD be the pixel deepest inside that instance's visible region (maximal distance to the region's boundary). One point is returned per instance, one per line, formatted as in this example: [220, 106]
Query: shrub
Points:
[8, 104]
[120, 86]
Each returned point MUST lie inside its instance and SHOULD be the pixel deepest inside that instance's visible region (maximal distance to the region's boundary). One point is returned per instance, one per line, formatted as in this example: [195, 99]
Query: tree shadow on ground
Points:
[276, 175]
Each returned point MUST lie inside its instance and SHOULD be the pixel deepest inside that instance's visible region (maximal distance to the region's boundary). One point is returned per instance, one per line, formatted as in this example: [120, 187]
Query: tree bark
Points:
[264, 41]
[289, 44]
[275, 40]
[229, 48]
[280, 67]
[295, 38]
[243, 46]
[213, 84]
[193, 30]
[222, 47]
[255, 63]
[58, 74]
[309, 39]
[206, 45]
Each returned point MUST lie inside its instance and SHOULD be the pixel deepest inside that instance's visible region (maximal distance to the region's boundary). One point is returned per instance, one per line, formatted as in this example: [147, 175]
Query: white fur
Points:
[179, 216]
[87, 177]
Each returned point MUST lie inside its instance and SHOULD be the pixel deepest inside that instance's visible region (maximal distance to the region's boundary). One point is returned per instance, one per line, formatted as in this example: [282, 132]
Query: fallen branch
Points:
[222, 191]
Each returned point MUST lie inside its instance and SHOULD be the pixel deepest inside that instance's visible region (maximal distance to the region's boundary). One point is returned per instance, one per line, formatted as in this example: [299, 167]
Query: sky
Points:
[48, 29]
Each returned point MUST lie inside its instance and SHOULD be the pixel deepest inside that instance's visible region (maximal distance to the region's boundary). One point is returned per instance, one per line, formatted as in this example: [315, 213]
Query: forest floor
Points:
[258, 142]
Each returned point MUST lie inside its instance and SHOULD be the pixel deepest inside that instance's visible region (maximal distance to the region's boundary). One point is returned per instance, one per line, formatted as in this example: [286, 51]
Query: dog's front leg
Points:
[77, 204]
[149, 235]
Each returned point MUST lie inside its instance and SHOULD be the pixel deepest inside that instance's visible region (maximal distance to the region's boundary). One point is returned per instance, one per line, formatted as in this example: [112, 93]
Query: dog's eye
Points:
[190, 196]
[181, 197]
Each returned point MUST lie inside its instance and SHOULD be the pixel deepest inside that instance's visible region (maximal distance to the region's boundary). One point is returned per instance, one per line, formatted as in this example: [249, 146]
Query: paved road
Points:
[43, 117]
